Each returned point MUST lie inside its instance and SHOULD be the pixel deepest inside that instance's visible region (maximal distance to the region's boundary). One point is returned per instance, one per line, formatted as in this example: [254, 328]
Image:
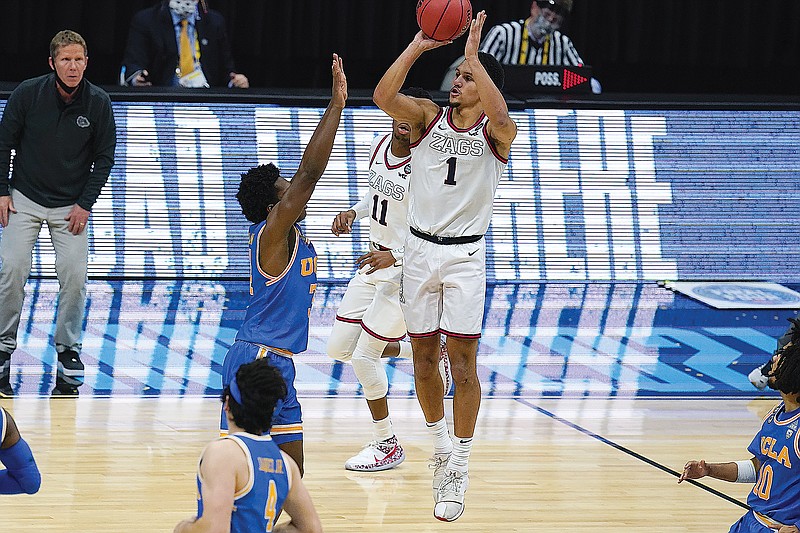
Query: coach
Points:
[62, 130]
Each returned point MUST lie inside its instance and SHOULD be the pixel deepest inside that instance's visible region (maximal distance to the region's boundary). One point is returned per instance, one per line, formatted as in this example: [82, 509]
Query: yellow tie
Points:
[186, 57]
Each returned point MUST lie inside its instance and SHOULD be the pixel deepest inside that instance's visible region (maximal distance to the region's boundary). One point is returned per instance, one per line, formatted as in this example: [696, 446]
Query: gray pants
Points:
[72, 256]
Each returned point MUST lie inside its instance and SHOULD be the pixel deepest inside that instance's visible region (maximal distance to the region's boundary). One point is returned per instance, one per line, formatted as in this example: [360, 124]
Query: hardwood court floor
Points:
[127, 464]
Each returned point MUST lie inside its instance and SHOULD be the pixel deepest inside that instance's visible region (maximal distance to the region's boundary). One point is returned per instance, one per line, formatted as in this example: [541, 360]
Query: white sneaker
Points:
[450, 503]
[377, 456]
[444, 367]
[439, 465]
[758, 379]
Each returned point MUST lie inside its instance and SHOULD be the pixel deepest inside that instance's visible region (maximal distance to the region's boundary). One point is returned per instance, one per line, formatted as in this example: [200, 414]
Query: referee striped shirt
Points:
[511, 45]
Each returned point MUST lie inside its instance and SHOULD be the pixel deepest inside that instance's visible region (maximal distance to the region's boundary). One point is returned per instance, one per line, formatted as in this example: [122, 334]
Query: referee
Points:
[533, 41]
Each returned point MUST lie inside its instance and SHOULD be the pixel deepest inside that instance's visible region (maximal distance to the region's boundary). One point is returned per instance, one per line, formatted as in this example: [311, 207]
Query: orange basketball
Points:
[444, 20]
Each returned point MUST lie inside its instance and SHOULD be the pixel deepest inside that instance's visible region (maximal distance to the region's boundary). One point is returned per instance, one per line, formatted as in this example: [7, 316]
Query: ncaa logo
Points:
[746, 295]
[82, 121]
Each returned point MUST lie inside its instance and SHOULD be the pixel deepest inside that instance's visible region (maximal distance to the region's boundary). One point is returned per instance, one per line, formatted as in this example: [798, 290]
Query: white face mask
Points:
[541, 27]
[183, 8]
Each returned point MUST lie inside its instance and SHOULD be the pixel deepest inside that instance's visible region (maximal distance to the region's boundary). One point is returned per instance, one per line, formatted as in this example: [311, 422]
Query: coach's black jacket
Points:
[152, 46]
[64, 152]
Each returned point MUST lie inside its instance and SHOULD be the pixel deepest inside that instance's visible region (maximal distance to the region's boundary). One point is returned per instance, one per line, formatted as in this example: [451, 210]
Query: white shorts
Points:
[443, 288]
[374, 302]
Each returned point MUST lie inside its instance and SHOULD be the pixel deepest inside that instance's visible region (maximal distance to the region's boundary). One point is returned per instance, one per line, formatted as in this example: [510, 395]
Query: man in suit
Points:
[174, 44]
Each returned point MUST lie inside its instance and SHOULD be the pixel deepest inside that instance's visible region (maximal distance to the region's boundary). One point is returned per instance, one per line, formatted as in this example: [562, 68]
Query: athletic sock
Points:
[382, 429]
[459, 461]
[442, 442]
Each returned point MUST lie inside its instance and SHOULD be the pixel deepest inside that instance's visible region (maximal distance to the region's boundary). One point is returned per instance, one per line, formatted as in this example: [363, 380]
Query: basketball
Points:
[444, 20]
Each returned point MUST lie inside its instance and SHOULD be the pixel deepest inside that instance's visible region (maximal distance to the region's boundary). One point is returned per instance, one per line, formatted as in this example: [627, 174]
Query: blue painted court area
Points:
[555, 339]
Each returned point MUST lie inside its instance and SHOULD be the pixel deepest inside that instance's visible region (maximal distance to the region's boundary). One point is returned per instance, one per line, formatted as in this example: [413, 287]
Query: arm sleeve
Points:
[137, 49]
[105, 143]
[362, 207]
[571, 56]
[495, 43]
[10, 132]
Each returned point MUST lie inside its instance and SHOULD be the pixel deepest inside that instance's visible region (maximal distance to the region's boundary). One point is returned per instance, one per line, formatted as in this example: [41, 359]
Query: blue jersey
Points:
[258, 505]
[277, 316]
[776, 493]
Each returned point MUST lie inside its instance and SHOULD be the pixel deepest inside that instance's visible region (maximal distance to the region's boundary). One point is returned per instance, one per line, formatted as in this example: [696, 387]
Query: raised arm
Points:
[418, 112]
[501, 129]
[315, 159]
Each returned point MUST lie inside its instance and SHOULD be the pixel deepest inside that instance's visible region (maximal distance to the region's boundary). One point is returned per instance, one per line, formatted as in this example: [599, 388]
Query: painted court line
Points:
[630, 452]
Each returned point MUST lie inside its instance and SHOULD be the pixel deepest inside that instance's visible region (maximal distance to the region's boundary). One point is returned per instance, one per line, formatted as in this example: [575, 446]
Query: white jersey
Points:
[456, 173]
[386, 200]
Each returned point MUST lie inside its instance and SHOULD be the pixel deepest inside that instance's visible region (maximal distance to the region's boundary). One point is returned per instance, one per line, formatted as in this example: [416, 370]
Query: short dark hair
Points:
[787, 371]
[261, 386]
[66, 38]
[416, 92]
[257, 191]
[493, 68]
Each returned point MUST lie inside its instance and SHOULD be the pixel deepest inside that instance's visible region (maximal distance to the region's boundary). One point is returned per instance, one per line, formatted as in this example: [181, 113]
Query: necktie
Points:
[186, 62]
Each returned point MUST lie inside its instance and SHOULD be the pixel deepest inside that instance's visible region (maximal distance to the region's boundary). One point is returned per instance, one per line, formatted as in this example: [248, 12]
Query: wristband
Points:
[746, 472]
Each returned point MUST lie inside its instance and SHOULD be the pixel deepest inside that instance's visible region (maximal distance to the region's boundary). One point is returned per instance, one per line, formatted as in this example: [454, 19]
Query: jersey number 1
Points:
[384, 206]
[451, 172]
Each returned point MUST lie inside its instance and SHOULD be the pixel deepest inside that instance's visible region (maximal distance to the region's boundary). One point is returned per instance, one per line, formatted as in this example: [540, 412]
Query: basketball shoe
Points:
[439, 465]
[377, 456]
[444, 367]
[69, 374]
[759, 377]
[450, 500]
[5, 375]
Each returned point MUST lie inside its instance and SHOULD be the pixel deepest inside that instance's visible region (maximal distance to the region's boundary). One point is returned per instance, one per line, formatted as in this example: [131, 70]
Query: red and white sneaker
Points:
[444, 367]
[377, 456]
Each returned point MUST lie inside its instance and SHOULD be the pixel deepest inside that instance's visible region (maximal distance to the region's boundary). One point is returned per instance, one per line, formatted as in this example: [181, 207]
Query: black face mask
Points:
[66, 88]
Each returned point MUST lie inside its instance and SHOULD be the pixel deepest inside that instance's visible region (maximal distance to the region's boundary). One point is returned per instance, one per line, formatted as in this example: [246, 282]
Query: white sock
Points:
[382, 429]
[405, 350]
[442, 442]
[459, 461]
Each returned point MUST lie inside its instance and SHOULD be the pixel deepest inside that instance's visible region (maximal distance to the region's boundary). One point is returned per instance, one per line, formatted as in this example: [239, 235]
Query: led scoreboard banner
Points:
[589, 194]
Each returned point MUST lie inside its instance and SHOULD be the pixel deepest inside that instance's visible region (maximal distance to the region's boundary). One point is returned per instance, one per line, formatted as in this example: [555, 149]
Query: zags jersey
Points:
[456, 173]
[776, 493]
[277, 315]
[387, 196]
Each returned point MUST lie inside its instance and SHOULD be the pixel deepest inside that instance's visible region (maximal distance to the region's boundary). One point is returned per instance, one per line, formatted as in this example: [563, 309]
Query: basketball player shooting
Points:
[458, 155]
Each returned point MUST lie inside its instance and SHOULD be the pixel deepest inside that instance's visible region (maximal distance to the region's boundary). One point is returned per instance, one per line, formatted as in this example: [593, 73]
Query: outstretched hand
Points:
[474, 37]
[694, 470]
[339, 93]
[343, 223]
[425, 43]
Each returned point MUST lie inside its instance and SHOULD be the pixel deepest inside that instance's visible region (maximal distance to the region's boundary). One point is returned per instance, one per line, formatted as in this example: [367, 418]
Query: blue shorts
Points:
[749, 524]
[287, 419]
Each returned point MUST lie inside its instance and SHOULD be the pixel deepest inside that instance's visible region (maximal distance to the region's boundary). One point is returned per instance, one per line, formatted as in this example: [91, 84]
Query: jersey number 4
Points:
[270, 509]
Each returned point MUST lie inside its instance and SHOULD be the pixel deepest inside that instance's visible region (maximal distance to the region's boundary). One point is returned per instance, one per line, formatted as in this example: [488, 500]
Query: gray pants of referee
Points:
[72, 256]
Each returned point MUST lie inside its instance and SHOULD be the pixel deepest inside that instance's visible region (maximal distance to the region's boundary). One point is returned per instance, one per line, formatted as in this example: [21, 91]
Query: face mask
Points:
[183, 8]
[541, 27]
